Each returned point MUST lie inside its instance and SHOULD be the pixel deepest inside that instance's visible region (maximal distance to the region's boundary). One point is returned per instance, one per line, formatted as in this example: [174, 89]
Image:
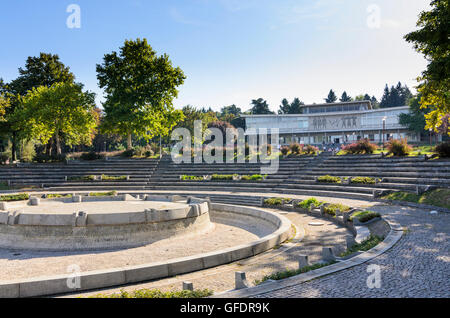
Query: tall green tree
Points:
[291, 108]
[345, 98]
[331, 98]
[415, 119]
[260, 107]
[62, 111]
[4, 104]
[229, 113]
[43, 70]
[396, 96]
[139, 90]
[432, 39]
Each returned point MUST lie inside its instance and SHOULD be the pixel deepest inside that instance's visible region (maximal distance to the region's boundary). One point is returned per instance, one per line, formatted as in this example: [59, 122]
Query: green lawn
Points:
[438, 197]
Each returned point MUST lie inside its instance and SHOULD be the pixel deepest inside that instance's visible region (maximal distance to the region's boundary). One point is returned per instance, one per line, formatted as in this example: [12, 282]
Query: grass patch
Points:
[332, 208]
[81, 178]
[292, 272]
[103, 194]
[438, 197]
[306, 204]
[277, 201]
[329, 179]
[14, 197]
[364, 216]
[113, 178]
[363, 180]
[55, 195]
[154, 293]
[365, 245]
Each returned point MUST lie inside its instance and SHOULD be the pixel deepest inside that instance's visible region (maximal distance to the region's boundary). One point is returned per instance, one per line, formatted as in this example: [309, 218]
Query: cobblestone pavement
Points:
[417, 266]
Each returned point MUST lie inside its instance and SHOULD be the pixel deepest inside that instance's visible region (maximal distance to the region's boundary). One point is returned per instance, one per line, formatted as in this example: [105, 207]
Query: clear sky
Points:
[232, 51]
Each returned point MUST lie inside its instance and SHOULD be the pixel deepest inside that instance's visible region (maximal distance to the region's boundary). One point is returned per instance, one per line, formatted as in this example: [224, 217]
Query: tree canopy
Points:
[432, 39]
[62, 111]
[395, 96]
[139, 91]
[291, 108]
[331, 98]
[260, 107]
[345, 98]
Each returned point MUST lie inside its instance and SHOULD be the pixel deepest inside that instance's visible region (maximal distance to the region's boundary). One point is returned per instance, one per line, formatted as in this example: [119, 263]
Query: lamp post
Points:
[431, 141]
[384, 127]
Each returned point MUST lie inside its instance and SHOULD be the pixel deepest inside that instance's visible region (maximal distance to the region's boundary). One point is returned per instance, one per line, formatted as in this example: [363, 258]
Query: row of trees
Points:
[45, 104]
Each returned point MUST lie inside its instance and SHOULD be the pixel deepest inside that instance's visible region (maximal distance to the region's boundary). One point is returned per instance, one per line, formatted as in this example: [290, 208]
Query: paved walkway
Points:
[417, 266]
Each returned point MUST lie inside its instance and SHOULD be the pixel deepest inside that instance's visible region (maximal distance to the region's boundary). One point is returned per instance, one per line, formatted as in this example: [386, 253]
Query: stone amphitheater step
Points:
[378, 186]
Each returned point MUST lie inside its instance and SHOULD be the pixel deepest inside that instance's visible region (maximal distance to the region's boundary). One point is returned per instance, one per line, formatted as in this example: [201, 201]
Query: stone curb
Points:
[392, 238]
[58, 284]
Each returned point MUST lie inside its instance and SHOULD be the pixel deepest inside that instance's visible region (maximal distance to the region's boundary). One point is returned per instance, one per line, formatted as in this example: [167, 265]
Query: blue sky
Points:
[231, 51]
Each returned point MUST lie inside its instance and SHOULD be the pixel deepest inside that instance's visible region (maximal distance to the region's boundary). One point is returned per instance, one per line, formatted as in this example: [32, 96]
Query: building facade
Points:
[337, 123]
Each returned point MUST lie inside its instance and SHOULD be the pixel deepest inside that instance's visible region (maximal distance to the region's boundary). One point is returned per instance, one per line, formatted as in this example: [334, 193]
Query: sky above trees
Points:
[232, 51]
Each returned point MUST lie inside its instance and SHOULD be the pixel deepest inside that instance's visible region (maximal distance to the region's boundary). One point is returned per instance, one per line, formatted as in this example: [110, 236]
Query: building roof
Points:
[368, 102]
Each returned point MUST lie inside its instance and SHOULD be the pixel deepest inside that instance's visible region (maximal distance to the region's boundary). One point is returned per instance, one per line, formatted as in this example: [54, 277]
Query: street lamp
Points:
[384, 127]
[431, 129]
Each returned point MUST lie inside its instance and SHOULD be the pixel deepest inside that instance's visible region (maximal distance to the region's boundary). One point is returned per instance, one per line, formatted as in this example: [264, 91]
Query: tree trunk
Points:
[14, 146]
[58, 143]
[129, 142]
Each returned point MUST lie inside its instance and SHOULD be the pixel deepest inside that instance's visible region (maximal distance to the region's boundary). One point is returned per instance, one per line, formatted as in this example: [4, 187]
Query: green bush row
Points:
[81, 178]
[103, 194]
[113, 178]
[332, 208]
[277, 201]
[363, 180]
[329, 179]
[14, 197]
[365, 245]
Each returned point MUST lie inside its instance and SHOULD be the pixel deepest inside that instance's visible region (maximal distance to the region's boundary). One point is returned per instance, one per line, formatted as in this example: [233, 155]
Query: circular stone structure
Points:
[78, 223]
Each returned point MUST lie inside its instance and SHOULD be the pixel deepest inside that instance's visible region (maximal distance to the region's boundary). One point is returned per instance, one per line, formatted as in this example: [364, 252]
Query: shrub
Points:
[398, 147]
[55, 195]
[306, 204]
[365, 245]
[255, 177]
[332, 208]
[222, 177]
[128, 153]
[191, 178]
[443, 150]
[296, 148]
[284, 150]
[145, 151]
[364, 216]
[14, 197]
[3, 158]
[363, 146]
[103, 194]
[113, 178]
[329, 179]
[81, 178]
[89, 156]
[310, 150]
[277, 201]
[363, 180]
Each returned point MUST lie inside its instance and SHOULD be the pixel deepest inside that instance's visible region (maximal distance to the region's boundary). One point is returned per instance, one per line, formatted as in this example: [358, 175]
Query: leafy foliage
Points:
[331, 209]
[432, 39]
[331, 98]
[398, 147]
[260, 107]
[364, 216]
[363, 180]
[443, 149]
[363, 146]
[306, 204]
[60, 111]
[329, 179]
[89, 156]
[14, 197]
[365, 245]
[140, 87]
